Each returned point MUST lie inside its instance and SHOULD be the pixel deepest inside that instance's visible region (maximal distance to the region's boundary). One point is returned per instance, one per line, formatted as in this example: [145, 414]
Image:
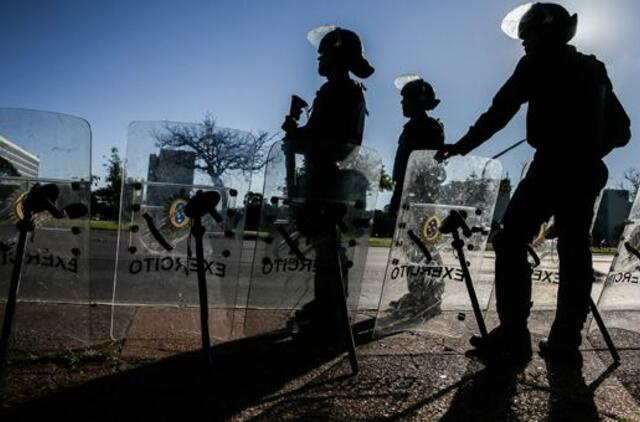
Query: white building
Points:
[26, 163]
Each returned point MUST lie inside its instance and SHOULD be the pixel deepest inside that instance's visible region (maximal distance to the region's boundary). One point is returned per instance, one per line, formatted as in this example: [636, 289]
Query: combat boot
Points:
[560, 354]
[502, 343]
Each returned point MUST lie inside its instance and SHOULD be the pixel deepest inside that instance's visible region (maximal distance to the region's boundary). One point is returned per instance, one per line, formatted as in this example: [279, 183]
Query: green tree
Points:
[386, 182]
[106, 200]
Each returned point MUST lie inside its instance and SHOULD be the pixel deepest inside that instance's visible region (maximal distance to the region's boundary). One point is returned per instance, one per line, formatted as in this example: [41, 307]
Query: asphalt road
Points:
[103, 265]
[103, 251]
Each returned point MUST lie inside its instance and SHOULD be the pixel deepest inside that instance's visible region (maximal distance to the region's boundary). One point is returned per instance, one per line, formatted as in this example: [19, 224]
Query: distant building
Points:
[171, 167]
[24, 162]
[504, 195]
[613, 211]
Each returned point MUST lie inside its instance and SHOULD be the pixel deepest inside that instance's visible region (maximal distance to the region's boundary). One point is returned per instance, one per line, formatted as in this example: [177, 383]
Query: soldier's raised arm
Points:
[505, 105]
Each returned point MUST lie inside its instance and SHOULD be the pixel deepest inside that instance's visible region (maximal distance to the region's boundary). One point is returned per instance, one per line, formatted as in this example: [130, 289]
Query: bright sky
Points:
[115, 61]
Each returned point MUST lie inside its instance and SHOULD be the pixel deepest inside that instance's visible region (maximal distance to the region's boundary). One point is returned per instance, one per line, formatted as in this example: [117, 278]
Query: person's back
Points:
[338, 114]
[566, 91]
[419, 133]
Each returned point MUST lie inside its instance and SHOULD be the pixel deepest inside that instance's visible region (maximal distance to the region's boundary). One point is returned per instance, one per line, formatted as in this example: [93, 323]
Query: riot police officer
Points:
[420, 132]
[339, 107]
[574, 119]
[334, 128]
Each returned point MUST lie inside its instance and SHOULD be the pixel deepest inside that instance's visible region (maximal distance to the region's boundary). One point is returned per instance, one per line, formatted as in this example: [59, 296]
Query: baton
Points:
[503, 152]
[452, 223]
[351, 344]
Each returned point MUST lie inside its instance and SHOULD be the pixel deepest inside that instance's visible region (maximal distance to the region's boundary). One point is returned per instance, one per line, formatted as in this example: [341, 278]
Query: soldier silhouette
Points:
[574, 119]
[333, 129]
[420, 132]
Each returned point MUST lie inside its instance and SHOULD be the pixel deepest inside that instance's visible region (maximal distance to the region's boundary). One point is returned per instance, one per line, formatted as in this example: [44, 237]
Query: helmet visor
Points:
[404, 79]
[511, 21]
[316, 35]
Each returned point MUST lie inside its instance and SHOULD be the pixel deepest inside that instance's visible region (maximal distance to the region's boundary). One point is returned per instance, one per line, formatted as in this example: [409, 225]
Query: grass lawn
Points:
[380, 242]
[104, 225]
[375, 242]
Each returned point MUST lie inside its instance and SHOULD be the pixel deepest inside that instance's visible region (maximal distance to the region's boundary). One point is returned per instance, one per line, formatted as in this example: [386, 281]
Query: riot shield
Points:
[317, 212]
[169, 167]
[619, 302]
[425, 288]
[45, 171]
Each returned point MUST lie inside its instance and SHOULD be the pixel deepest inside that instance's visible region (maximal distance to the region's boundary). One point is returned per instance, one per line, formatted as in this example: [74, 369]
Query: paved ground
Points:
[64, 363]
[274, 377]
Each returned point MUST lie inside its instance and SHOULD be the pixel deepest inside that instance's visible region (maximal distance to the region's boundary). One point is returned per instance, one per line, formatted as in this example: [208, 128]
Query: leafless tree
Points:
[631, 181]
[217, 150]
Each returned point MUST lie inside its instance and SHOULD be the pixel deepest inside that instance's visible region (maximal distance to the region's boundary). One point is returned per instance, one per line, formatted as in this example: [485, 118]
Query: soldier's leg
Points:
[330, 261]
[528, 209]
[344, 269]
[314, 227]
[325, 257]
[573, 222]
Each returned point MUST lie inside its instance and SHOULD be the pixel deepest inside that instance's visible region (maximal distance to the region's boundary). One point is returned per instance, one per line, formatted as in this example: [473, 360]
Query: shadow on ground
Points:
[275, 377]
[180, 387]
[629, 371]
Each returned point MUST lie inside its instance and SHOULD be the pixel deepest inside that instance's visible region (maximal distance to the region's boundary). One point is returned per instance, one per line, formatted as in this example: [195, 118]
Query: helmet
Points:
[413, 86]
[343, 45]
[550, 19]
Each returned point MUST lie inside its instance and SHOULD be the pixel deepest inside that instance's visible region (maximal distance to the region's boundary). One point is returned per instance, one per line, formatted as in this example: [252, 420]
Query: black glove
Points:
[448, 151]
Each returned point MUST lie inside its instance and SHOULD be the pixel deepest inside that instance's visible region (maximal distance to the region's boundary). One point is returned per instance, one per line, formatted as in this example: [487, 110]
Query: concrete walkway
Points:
[402, 377]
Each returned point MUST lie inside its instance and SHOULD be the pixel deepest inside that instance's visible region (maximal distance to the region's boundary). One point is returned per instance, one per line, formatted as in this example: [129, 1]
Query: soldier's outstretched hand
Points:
[446, 152]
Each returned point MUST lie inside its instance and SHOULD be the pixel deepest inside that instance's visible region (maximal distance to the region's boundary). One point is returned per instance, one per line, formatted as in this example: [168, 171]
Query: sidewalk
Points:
[402, 377]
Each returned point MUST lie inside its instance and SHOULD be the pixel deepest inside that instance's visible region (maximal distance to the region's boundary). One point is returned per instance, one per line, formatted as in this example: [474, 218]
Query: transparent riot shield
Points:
[425, 288]
[317, 212]
[45, 170]
[619, 302]
[158, 298]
